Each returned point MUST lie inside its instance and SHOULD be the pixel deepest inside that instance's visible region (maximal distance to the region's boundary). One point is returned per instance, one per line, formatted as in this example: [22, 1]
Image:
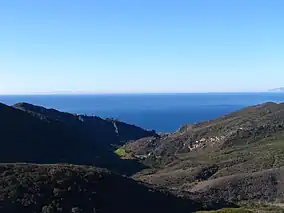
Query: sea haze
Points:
[162, 112]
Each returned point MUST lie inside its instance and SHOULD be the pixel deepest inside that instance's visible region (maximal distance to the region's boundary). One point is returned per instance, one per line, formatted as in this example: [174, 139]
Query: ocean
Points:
[161, 112]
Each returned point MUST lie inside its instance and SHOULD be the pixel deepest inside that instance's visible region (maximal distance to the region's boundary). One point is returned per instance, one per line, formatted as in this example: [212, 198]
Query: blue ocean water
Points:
[162, 112]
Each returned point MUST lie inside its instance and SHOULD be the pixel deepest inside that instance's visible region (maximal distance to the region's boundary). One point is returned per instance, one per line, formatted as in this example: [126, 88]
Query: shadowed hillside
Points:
[27, 138]
[69, 188]
[35, 134]
[101, 131]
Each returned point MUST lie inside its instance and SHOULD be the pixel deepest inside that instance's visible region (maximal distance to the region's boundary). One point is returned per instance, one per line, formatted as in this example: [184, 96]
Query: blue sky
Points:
[127, 46]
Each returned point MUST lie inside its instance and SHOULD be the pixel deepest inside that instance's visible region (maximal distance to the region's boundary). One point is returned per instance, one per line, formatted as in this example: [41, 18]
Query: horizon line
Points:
[136, 93]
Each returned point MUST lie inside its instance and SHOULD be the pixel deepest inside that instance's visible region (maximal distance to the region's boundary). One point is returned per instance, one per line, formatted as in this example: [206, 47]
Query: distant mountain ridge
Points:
[280, 89]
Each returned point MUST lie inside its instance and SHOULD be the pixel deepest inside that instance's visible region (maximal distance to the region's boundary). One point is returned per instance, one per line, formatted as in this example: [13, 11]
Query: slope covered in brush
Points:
[245, 126]
[236, 157]
[68, 188]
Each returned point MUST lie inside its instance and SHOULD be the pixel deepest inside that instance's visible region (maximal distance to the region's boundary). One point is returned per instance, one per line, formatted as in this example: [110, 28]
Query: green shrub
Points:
[120, 152]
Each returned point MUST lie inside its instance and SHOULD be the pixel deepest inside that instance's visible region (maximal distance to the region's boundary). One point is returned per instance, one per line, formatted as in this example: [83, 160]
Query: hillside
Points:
[236, 157]
[26, 138]
[265, 186]
[101, 131]
[243, 127]
[68, 188]
[35, 134]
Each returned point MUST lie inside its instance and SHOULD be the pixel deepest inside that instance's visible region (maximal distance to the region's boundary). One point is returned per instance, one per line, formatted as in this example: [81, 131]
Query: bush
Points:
[121, 152]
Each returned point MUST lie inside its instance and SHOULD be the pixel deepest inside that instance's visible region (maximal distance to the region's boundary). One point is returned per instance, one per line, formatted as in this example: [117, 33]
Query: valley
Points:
[235, 161]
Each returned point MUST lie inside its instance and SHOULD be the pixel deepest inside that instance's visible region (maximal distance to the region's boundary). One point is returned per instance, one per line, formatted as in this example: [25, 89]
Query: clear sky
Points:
[126, 46]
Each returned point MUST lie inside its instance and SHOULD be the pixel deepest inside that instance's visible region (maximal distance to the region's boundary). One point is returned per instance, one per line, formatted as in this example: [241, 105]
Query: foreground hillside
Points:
[73, 189]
